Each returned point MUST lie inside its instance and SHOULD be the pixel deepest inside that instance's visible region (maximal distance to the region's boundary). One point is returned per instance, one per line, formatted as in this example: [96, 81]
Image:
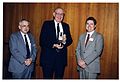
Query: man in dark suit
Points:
[23, 52]
[55, 37]
[88, 51]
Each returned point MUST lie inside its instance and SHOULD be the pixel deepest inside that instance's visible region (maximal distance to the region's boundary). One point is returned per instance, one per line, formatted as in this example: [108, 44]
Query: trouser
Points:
[87, 75]
[50, 71]
[26, 74]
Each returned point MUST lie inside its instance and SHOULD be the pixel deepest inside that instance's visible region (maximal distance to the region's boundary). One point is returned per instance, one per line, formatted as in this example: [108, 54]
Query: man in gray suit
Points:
[23, 52]
[88, 51]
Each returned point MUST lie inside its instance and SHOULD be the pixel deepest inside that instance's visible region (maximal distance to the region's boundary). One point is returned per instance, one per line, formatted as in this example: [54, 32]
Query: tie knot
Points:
[88, 35]
[57, 24]
[25, 35]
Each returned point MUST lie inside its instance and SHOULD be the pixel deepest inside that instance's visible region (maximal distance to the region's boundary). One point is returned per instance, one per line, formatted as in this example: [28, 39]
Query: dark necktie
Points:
[87, 39]
[58, 30]
[27, 47]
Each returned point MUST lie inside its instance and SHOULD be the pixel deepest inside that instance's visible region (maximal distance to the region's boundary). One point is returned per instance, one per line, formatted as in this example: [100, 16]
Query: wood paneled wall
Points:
[106, 15]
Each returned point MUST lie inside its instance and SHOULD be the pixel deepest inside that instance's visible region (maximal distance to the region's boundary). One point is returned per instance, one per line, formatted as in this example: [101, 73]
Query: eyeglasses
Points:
[61, 14]
[24, 25]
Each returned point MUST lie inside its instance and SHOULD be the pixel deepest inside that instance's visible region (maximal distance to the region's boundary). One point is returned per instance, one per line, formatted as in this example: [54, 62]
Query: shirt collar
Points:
[22, 33]
[91, 33]
[57, 23]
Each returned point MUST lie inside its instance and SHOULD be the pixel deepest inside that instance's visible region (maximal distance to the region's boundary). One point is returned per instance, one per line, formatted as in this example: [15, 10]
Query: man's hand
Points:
[81, 63]
[64, 38]
[28, 61]
[83, 66]
[59, 46]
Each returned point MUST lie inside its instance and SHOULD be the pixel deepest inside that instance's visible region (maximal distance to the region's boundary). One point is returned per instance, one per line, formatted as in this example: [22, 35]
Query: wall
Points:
[106, 15]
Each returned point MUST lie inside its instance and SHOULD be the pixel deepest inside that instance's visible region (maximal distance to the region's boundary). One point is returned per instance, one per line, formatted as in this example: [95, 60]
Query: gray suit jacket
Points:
[18, 53]
[91, 53]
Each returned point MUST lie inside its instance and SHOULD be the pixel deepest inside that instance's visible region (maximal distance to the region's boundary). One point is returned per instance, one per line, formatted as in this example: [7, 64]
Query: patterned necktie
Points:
[27, 48]
[87, 39]
[58, 30]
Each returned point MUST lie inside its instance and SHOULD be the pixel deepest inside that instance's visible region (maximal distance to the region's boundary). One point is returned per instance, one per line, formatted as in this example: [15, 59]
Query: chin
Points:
[25, 32]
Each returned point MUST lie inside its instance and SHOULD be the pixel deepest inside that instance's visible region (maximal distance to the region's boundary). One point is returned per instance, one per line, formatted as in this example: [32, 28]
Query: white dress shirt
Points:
[90, 34]
[28, 40]
[60, 27]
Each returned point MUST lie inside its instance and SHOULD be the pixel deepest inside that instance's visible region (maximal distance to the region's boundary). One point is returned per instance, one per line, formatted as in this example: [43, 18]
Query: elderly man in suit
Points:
[55, 37]
[88, 51]
[23, 52]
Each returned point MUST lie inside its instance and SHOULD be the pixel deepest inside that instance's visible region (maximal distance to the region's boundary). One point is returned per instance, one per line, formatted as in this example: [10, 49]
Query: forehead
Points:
[59, 10]
[90, 21]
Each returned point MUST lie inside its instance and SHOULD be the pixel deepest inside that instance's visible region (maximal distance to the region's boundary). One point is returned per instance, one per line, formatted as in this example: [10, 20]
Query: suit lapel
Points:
[30, 38]
[63, 26]
[21, 39]
[31, 42]
[53, 30]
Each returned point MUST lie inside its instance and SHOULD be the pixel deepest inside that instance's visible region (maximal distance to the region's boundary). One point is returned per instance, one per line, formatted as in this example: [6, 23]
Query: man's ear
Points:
[54, 14]
[19, 27]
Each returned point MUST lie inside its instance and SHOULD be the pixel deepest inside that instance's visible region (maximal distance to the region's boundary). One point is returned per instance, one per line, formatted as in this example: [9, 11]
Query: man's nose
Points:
[89, 25]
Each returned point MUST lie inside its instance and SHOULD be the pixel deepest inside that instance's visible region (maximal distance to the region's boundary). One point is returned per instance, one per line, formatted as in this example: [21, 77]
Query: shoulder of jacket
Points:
[15, 33]
[65, 23]
[99, 34]
[83, 34]
[48, 21]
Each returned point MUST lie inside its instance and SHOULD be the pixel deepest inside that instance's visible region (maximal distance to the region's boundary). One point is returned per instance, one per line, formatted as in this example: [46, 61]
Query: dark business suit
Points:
[50, 58]
[18, 55]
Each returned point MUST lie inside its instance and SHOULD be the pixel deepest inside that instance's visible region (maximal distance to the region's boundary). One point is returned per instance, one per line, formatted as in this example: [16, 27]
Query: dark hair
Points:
[24, 20]
[91, 18]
